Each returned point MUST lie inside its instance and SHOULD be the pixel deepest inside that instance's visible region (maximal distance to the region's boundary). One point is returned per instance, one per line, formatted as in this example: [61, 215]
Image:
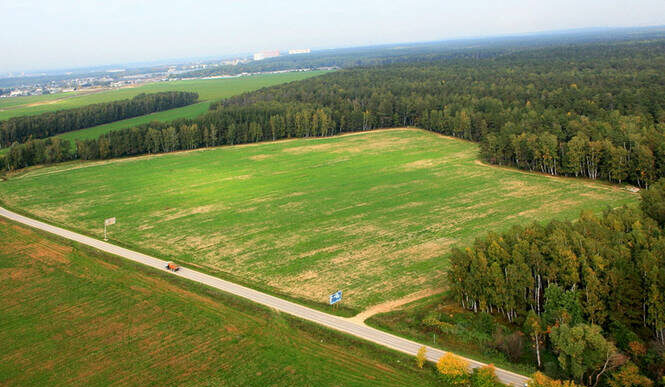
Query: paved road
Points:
[330, 321]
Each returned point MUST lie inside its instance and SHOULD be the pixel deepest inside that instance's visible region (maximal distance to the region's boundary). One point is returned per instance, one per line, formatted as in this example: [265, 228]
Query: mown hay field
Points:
[373, 214]
[71, 316]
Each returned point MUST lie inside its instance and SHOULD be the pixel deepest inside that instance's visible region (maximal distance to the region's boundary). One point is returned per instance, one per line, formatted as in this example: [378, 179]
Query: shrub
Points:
[512, 344]
[421, 357]
[629, 376]
[453, 369]
[484, 377]
[540, 380]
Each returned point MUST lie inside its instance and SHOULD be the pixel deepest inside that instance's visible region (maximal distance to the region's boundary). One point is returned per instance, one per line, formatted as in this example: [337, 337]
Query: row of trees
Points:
[20, 129]
[591, 291]
[235, 125]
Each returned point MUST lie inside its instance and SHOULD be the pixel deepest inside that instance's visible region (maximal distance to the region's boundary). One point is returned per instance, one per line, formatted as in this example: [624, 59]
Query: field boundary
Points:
[336, 323]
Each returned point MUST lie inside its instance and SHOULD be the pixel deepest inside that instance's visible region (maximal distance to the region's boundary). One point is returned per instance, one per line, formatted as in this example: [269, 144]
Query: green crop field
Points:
[72, 316]
[373, 214]
[208, 89]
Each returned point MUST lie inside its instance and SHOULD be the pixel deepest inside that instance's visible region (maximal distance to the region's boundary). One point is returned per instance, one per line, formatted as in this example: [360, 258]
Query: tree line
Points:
[590, 110]
[234, 125]
[20, 129]
[590, 291]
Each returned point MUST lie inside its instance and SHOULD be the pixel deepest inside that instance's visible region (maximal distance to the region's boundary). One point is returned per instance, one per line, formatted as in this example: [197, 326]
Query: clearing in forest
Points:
[373, 214]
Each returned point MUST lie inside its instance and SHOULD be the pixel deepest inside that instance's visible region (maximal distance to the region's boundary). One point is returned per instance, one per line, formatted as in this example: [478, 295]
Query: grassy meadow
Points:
[208, 89]
[73, 316]
[373, 213]
[189, 111]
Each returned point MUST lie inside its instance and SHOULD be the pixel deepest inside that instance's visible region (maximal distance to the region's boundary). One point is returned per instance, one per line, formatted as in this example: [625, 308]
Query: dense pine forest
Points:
[20, 129]
[591, 110]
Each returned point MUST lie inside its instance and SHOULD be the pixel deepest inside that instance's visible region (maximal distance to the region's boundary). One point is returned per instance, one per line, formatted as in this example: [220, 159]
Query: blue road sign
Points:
[336, 297]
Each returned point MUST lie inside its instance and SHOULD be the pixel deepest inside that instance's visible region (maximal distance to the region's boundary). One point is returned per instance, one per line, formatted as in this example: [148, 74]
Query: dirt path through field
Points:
[389, 306]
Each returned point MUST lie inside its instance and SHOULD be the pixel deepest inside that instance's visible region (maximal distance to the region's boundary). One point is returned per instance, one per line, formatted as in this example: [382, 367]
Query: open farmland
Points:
[373, 213]
[71, 316]
[208, 89]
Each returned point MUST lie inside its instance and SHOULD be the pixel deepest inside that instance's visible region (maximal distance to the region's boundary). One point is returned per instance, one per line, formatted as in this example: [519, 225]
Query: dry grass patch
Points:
[424, 164]
[520, 189]
[373, 145]
[424, 251]
[18, 274]
[299, 150]
[174, 213]
[260, 157]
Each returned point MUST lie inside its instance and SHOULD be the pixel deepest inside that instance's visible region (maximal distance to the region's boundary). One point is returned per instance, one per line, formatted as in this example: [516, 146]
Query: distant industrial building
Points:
[301, 51]
[265, 55]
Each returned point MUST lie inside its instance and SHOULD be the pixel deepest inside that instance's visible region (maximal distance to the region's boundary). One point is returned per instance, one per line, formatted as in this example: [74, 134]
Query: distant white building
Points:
[232, 62]
[266, 54]
[299, 51]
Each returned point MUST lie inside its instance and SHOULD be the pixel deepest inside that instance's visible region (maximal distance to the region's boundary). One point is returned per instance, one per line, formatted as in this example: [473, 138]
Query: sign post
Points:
[108, 222]
[336, 297]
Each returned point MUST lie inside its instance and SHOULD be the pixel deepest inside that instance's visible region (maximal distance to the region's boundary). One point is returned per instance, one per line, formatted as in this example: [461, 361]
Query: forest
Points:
[593, 110]
[20, 129]
[427, 51]
[590, 291]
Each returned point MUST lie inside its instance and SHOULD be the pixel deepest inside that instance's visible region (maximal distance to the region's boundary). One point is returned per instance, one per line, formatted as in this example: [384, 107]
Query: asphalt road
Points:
[337, 323]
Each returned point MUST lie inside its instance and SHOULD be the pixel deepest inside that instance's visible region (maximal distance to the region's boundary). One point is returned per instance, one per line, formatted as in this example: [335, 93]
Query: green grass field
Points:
[373, 214]
[208, 89]
[72, 316]
[190, 111]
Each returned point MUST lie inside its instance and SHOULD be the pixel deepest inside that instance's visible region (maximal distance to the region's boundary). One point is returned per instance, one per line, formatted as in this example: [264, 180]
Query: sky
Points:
[55, 34]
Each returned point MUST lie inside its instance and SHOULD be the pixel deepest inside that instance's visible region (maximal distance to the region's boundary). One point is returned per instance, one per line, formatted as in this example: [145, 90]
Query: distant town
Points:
[31, 84]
